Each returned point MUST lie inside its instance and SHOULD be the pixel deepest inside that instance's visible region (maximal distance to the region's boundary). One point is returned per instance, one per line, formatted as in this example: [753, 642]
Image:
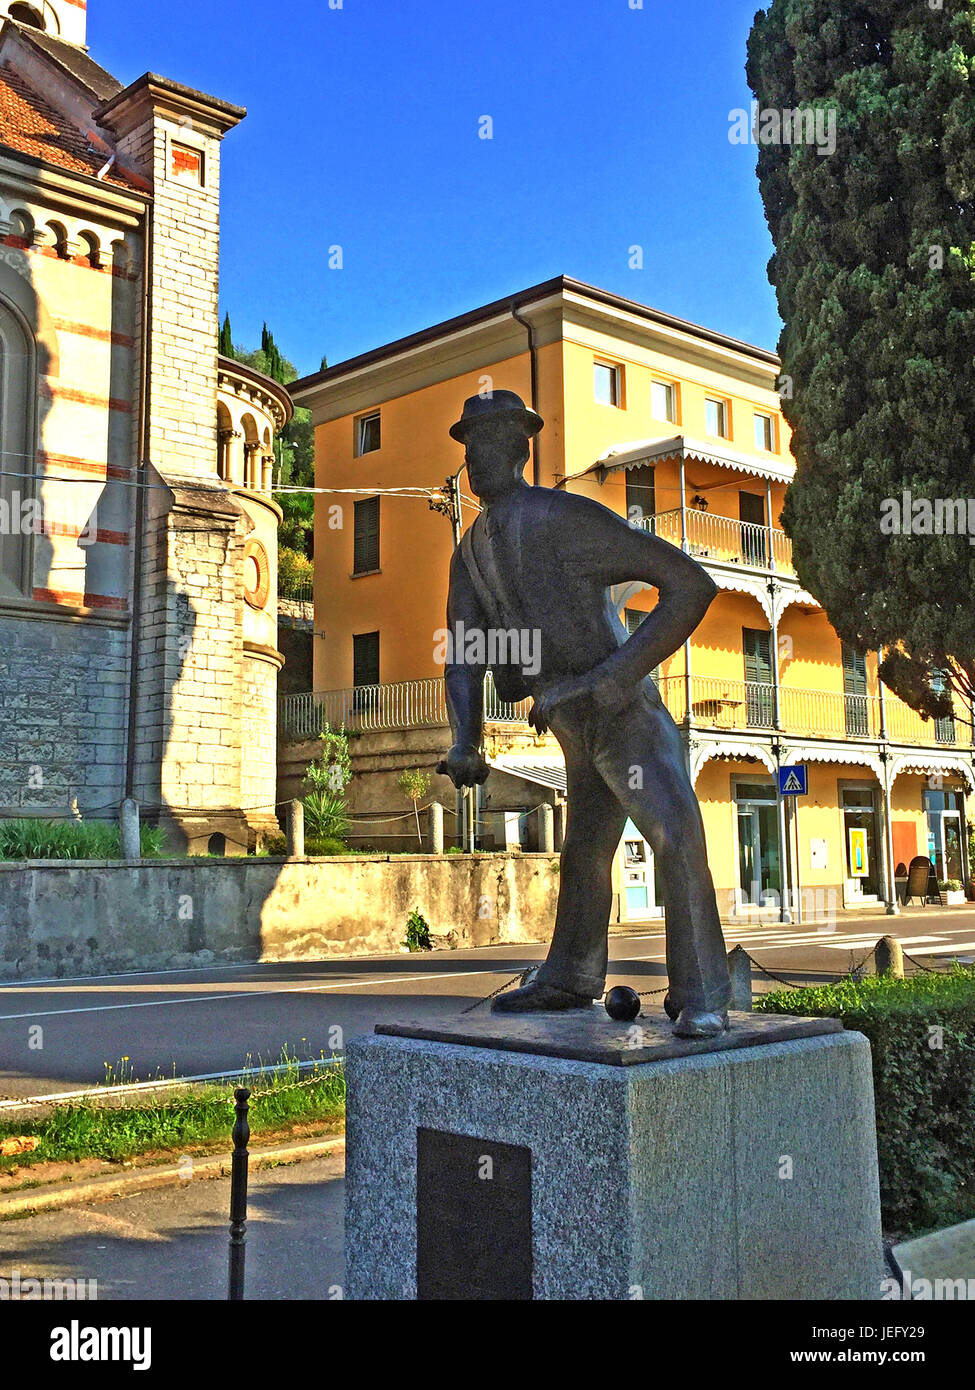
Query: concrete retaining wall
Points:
[65, 919]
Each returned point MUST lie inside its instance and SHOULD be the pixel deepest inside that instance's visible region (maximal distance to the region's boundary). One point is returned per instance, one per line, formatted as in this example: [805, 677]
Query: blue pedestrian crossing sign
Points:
[794, 781]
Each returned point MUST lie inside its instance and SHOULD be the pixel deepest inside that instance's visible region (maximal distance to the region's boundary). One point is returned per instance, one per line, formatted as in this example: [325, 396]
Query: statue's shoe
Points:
[697, 1023]
[538, 997]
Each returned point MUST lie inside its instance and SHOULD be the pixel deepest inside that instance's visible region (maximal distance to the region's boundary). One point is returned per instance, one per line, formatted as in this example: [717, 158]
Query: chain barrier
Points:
[929, 969]
[853, 973]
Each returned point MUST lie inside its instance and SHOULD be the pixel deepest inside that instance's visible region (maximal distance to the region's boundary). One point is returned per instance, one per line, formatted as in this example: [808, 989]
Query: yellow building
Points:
[678, 428]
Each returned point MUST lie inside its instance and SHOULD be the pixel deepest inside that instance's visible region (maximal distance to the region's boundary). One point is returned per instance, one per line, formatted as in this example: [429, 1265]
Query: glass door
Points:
[950, 847]
[860, 840]
[758, 845]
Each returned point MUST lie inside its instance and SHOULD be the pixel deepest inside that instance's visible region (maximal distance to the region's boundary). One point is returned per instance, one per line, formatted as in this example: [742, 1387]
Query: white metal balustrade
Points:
[725, 540]
[716, 704]
[372, 708]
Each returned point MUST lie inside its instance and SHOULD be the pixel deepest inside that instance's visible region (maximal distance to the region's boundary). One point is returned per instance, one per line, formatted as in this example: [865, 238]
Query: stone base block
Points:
[747, 1173]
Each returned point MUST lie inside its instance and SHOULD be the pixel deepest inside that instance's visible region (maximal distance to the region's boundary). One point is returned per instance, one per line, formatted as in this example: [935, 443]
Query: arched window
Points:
[27, 14]
[16, 510]
[225, 440]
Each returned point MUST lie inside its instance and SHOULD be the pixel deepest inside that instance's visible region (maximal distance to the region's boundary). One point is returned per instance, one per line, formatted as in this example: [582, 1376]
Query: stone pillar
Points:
[740, 969]
[692, 1200]
[190, 688]
[889, 957]
[435, 827]
[296, 830]
[129, 830]
[546, 829]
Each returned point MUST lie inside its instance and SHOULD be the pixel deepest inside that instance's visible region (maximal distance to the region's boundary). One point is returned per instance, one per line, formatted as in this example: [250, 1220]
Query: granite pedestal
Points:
[564, 1156]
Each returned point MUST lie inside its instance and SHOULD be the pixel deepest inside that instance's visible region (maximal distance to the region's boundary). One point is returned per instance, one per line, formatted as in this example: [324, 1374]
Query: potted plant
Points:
[952, 892]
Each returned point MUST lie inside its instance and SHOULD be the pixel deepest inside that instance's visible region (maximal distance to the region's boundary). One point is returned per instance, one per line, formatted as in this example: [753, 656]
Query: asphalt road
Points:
[193, 1022]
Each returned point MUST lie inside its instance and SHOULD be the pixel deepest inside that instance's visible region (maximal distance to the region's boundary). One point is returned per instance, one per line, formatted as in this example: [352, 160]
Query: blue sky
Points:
[610, 130]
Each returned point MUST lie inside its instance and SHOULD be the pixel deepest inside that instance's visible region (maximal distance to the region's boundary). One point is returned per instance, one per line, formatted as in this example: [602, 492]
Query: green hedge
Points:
[922, 1036]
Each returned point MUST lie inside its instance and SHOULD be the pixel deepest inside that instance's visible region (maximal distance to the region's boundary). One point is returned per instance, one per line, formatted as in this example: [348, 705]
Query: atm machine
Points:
[639, 896]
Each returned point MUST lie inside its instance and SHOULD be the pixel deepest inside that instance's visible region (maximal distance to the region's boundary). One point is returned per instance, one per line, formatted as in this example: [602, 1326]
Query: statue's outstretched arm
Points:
[610, 551]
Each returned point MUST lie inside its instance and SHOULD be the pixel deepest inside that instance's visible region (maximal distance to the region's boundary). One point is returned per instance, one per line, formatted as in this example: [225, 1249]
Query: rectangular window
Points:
[663, 401]
[186, 164]
[640, 498]
[607, 383]
[367, 434]
[716, 417]
[764, 433]
[365, 659]
[365, 545]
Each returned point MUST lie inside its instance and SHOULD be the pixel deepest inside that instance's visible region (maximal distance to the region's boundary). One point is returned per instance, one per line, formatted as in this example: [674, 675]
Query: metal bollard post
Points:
[889, 957]
[296, 830]
[740, 969]
[238, 1196]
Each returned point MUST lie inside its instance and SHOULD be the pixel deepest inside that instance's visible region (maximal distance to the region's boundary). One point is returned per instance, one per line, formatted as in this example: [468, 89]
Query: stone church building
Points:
[138, 536]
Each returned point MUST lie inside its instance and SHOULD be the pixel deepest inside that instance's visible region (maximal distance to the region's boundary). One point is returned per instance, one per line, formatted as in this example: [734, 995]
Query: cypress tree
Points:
[226, 345]
[874, 270]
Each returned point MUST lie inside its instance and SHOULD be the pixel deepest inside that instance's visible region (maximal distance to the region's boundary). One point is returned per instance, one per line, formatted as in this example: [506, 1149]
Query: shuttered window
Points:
[366, 537]
[855, 686]
[365, 659]
[757, 645]
[640, 496]
[633, 617]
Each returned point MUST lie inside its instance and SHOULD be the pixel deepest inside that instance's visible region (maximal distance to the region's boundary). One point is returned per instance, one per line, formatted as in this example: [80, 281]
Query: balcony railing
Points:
[716, 704]
[296, 588]
[373, 708]
[726, 541]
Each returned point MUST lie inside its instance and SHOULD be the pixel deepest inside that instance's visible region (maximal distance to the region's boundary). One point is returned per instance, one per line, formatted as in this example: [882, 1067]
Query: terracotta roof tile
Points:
[30, 126]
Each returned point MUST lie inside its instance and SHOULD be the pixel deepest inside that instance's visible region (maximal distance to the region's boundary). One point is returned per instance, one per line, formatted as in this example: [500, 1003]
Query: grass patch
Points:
[93, 1129]
[29, 838]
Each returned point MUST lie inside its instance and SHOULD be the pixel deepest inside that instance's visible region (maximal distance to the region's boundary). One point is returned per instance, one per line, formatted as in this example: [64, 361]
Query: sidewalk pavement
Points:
[172, 1243]
[947, 1254]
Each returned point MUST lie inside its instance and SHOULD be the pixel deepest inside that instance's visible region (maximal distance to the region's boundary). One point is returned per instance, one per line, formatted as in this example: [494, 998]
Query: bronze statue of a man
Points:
[541, 561]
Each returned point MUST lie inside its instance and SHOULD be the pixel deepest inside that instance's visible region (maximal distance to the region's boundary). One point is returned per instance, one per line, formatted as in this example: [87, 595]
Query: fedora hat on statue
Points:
[498, 405]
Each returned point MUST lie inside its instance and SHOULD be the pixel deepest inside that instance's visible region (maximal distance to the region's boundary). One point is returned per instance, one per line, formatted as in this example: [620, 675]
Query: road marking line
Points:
[259, 994]
[951, 950]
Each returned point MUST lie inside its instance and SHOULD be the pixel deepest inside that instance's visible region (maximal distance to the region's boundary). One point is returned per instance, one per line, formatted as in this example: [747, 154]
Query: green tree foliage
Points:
[326, 814]
[226, 338]
[873, 269]
[414, 785]
[294, 447]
